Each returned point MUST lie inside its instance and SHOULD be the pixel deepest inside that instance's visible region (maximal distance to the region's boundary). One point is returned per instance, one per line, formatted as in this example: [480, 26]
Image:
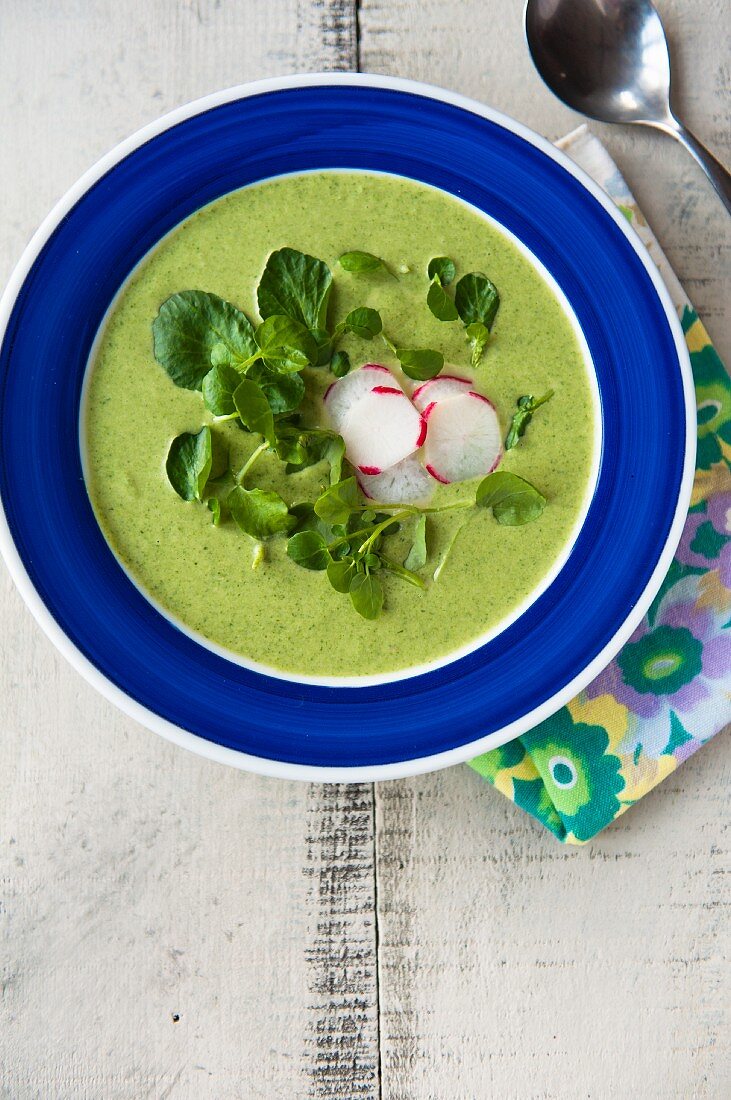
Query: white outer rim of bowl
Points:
[418, 765]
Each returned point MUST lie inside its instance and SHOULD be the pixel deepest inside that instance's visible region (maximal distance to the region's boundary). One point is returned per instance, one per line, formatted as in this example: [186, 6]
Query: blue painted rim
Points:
[354, 124]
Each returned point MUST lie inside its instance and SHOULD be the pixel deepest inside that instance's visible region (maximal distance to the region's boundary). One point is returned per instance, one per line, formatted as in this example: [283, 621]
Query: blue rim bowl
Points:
[163, 677]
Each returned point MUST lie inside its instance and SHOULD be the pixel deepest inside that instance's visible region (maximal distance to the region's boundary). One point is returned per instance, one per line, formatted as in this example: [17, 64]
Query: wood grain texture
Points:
[171, 928]
[341, 1043]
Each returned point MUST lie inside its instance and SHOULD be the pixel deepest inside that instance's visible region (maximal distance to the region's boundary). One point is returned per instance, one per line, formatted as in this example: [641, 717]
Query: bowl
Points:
[186, 690]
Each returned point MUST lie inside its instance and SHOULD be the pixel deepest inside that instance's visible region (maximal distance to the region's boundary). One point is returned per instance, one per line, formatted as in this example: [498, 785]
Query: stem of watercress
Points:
[251, 460]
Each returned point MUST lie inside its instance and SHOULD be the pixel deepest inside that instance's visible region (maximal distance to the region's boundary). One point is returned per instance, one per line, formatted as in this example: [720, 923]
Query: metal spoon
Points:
[609, 59]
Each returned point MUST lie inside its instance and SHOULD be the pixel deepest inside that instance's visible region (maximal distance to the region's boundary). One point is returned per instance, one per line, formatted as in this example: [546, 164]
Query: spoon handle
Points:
[719, 176]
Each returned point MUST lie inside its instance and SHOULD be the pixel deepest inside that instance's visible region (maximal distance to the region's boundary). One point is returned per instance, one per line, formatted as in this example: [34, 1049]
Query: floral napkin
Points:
[669, 689]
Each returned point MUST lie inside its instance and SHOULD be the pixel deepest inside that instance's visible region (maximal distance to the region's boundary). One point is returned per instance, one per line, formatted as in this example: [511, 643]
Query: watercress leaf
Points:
[218, 389]
[258, 512]
[284, 392]
[478, 335]
[440, 303]
[309, 549]
[513, 500]
[337, 503]
[188, 463]
[214, 507]
[366, 595]
[360, 263]
[403, 572]
[219, 456]
[442, 268]
[476, 299]
[317, 445]
[306, 519]
[295, 285]
[340, 364]
[335, 455]
[189, 325]
[323, 340]
[253, 408]
[340, 574]
[372, 561]
[221, 356]
[523, 415]
[363, 322]
[416, 558]
[289, 446]
[286, 344]
[420, 363]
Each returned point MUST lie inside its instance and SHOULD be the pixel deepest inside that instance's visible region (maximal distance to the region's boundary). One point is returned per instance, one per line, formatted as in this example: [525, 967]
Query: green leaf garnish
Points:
[363, 322]
[513, 500]
[309, 549]
[477, 301]
[284, 392]
[338, 502]
[324, 344]
[420, 363]
[259, 513]
[366, 595]
[523, 415]
[254, 410]
[286, 344]
[312, 445]
[189, 462]
[297, 286]
[188, 327]
[341, 573]
[214, 507]
[360, 263]
[402, 572]
[442, 268]
[416, 558]
[218, 389]
[440, 303]
[340, 364]
[478, 335]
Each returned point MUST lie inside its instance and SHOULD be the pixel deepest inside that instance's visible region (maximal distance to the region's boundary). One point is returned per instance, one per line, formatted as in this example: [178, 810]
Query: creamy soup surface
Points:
[278, 614]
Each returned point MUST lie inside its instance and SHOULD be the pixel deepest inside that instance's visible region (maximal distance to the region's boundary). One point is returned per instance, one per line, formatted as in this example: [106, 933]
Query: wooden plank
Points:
[511, 967]
[168, 927]
[341, 1045]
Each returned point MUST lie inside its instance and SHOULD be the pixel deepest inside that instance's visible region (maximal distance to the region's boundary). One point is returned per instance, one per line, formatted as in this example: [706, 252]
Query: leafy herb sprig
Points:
[253, 375]
[523, 415]
[476, 302]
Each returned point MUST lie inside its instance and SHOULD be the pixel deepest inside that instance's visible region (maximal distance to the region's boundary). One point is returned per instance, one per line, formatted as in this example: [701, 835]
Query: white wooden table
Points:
[175, 929]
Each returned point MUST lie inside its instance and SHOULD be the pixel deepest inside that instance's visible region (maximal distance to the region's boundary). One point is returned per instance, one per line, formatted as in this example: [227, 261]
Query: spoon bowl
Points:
[609, 59]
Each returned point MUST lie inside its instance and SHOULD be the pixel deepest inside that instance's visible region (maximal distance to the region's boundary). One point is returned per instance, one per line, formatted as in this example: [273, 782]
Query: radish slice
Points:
[348, 391]
[463, 439]
[405, 483]
[439, 388]
[381, 429]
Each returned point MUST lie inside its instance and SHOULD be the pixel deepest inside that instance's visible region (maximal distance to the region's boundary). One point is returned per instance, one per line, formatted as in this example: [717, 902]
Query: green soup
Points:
[280, 615]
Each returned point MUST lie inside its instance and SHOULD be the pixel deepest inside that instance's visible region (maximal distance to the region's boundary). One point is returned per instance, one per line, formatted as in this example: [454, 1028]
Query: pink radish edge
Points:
[439, 378]
[437, 477]
[422, 432]
[480, 397]
[370, 470]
